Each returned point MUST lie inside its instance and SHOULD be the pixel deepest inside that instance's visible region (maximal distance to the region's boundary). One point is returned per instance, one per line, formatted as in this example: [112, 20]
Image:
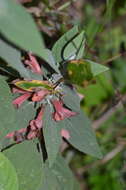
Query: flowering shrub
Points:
[39, 102]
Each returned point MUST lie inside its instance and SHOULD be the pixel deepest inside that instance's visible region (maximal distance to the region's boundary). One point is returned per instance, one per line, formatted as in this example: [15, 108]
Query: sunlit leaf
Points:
[27, 161]
[8, 176]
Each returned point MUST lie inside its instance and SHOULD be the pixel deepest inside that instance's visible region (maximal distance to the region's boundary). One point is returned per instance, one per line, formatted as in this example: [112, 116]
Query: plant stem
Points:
[43, 147]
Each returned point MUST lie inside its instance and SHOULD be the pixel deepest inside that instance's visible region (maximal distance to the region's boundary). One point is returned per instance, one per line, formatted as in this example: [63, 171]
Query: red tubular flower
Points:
[61, 112]
[31, 132]
[35, 126]
[18, 101]
[37, 123]
[17, 90]
[65, 133]
[39, 95]
[36, 96]
[17, 136]
[81, 96]
[33, 64]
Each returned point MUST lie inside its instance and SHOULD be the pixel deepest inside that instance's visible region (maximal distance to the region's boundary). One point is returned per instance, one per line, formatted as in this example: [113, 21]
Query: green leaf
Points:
[51, 135]
[101, 90]
[64, 174]
[96, 68]
[71, 99]
[13, 58]
[8, 177]
[82, 70]
[49, 181]
[58, 176]
[70, 44]
[75, 47]
[79, 71]
[76, 185]
[109, 11]
[26, 113]
[19, 28]
[119, 73]
[7, 111]
[28, 164]
[82, 136]
[48, 57]
[92, 29]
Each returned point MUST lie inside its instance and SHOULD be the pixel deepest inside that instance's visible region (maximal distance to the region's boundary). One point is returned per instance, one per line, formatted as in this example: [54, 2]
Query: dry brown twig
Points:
[97, 123]
[105, 159]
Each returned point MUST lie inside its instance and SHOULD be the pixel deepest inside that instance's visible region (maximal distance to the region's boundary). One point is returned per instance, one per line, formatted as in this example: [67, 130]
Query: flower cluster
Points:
[36, 96]
[34, 128]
